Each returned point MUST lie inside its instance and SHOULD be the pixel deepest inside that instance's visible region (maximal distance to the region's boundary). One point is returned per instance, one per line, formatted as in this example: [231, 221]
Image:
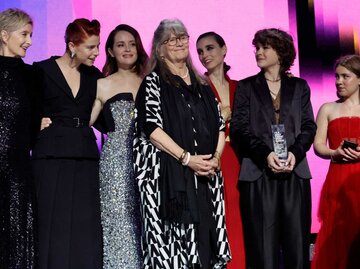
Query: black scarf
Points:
[177, 182]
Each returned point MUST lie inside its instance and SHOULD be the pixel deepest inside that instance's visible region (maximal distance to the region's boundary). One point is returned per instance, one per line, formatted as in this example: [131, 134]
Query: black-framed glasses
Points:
[184, 39]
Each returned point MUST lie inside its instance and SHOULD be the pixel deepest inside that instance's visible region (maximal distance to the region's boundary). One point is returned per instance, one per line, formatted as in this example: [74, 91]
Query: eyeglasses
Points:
[184, 39]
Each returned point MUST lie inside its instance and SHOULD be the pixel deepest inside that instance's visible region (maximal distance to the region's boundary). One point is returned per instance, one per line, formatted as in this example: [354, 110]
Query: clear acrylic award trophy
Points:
[279, 141]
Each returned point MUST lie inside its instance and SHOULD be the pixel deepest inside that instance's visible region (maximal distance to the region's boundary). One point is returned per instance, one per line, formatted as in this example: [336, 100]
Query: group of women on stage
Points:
[165, 191]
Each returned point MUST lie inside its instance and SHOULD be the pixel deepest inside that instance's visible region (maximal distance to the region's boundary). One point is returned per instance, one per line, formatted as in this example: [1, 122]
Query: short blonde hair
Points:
[12, 19]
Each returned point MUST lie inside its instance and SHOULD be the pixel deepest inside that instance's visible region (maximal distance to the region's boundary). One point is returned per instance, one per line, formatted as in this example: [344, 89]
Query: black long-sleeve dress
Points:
[17, 248]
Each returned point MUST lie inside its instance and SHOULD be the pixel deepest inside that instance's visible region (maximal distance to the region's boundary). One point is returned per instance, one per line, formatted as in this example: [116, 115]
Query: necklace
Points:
[186, 74]
[273, 80]
[275, 94]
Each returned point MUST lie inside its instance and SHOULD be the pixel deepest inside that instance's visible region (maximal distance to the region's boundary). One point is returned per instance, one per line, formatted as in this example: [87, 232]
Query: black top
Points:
[190, 116]
[17, 106]
[69, 134]
[106, 111]
[16, 205]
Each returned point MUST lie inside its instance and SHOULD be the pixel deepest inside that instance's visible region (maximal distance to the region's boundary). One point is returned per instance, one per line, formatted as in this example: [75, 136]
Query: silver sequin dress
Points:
[120, 201]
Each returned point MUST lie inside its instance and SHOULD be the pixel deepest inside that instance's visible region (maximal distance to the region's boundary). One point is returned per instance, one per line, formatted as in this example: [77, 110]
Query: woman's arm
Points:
[98, 104]
[219, 150]
[201, 164]
[305, 138]
[320, 142]
[248, 144]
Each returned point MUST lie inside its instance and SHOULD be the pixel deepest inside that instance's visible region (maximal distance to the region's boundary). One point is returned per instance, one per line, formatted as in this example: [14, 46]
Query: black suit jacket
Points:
[58, 103]
[252, 117]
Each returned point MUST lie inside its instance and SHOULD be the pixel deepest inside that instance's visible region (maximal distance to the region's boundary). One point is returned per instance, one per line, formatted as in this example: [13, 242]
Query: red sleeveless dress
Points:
[230, 168]
[338, 241]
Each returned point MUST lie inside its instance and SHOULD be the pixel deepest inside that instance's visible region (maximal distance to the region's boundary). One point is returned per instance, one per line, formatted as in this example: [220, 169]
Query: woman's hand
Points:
[345, 154]
[203, 165]
[290, 163]
[280, 166]
[45, 122]
[275, 164]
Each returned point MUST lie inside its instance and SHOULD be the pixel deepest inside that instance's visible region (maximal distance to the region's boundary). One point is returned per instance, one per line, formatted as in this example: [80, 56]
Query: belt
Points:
[75, 122]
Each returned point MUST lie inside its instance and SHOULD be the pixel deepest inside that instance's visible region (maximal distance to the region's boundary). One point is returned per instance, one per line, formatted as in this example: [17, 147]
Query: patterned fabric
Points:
[17, 222]
[120, 214]
[166, 244]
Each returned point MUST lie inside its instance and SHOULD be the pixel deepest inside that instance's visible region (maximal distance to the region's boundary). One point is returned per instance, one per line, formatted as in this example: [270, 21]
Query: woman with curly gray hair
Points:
[180, 138]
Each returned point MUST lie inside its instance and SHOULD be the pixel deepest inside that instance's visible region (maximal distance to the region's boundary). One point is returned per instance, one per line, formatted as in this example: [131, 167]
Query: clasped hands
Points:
[280, 166]
[203, 165]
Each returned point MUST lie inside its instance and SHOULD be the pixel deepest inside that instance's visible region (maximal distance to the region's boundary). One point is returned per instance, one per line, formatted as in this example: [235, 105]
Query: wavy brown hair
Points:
[281, 42]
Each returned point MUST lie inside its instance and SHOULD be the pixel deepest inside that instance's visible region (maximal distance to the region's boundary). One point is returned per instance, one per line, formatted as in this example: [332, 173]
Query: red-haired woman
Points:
[66, 155]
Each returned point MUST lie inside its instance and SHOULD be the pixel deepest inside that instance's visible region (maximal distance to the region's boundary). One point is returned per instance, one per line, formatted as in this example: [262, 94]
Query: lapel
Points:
[287, 94]
[53, 71]
[261, 89]
[83, 78]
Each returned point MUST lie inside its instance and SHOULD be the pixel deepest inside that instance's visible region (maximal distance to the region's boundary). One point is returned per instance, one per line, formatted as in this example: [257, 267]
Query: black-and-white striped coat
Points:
[166, 244]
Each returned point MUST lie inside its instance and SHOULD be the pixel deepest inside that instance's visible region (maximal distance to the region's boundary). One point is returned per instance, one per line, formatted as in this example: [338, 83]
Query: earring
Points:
[72, 55]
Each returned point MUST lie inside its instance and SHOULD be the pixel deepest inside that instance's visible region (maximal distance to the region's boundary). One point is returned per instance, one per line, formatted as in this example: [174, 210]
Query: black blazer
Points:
[62, 139]
[252, 117]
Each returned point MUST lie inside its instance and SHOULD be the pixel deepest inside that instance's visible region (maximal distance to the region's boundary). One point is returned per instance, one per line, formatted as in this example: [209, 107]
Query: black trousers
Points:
[276, 215]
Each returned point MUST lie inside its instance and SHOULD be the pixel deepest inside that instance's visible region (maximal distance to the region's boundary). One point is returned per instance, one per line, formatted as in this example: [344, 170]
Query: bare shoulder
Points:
[328, 111]
[327, 108]
[103, 86]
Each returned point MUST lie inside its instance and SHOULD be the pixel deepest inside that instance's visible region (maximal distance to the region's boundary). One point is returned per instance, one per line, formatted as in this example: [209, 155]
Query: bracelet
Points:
[187, 159]
[217, 155]
[182, 156]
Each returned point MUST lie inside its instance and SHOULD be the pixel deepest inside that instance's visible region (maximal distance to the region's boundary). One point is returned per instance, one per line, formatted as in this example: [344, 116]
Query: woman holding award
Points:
[273, 127]
[337, 243]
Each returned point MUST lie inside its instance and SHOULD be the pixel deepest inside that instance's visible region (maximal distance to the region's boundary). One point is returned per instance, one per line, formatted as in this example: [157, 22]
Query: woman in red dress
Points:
[211, 49]
[337, 244]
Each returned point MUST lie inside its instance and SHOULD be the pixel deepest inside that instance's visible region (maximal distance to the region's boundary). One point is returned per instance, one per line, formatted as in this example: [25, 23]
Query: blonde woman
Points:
[16, 205]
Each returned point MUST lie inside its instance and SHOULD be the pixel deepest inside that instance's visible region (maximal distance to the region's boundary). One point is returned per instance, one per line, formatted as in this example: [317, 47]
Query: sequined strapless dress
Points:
[338, 241]
[120, 200]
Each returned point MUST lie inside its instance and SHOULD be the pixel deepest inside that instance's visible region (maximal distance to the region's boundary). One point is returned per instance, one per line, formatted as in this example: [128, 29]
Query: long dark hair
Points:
[218, 39]
[110, 66]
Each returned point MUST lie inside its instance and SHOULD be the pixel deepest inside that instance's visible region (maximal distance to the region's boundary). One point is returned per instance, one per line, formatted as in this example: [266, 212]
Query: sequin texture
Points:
[16, 202]
[120, 201]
